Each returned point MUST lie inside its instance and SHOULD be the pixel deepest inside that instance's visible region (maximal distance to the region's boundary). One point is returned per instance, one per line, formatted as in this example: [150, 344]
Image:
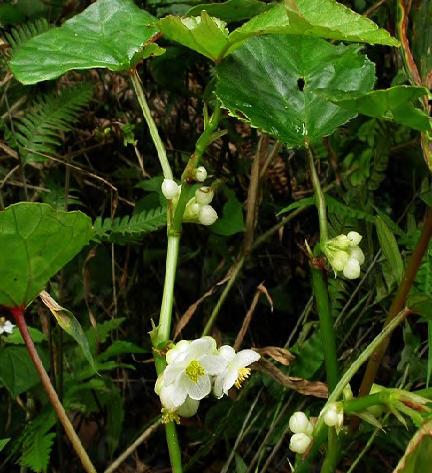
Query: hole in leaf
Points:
[300, 84]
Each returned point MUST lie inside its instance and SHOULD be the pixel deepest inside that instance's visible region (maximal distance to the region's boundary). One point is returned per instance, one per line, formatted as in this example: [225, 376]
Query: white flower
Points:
[6, 326]
[204, 195]
[207, 215]
[200, 174]
[236, 371]
[333, 415]
[299, 443]
[300, 424]
[170, 189]
[190, 365]
[339, 260]
[352, 269]
[355, 238]
[357, 254]
[344, 254]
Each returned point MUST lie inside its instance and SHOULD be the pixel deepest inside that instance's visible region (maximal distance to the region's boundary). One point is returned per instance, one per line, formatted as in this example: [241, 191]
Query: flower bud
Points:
[189, 408]
[170, 189]
[339, 260]
[355, 238]
[200, 174]
[300, 424]
[352, 269]
[357, 254]
[299, 443]
[333, 416]
[207, 215]
[204, 195]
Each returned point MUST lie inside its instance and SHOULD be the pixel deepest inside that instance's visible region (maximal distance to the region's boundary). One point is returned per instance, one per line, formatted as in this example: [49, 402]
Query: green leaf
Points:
[69, 324]
[231, 10]
[417, 460]
[321, 18]
[204, 34]
[120, 347]
[15, 337]
[396, 104]
[3, 443]
[36, 454]
[101, 332]
[36, 242]
[231, 221]
[17, 372]
[390, 248]
[298, 204]
[112, 34]
[272, 81]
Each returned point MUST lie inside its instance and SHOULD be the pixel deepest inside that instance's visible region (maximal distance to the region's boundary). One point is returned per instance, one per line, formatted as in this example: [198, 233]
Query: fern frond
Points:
[36, 454]
[22, 33]
[39, 132]
[123, 230]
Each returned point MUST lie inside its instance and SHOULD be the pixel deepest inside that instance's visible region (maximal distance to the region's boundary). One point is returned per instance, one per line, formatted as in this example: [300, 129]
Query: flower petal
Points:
[218, 386]
[172, 372]
[227, 352]
[201, 346]
[177, 352]
[198, 390]
[168, 397]
[189, 408]
[213, 364]
[245, 358]
[230, 378]
[179, 393]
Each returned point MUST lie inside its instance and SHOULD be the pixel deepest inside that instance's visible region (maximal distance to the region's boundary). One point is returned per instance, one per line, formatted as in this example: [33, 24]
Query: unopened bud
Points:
[169, 188]
[204, 195]
[352, 269]
[200, 174]
[300, 424]
[333, 416]
[207, 215]
[299, 443]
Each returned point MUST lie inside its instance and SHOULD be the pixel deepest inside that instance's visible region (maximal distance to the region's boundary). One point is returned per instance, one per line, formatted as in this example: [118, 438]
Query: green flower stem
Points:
[332, 455]
[160, 148]
[319, 197]
[360, 404]
[18, 313]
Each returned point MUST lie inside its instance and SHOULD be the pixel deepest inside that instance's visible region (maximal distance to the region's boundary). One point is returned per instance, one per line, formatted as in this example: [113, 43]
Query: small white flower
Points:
[358, 254]
[6, 326]
[189, 370]
[204, 195]
[333, 416]
[207, 215]
[355, 238]
[339, 260]
[236, 371]
[299, 443]
[352, 269]
[200, 174]
[300, 424]
[170, 189]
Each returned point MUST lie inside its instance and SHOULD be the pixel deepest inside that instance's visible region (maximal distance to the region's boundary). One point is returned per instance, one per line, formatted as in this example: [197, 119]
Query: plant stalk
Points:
[160, 148]
[18, 313]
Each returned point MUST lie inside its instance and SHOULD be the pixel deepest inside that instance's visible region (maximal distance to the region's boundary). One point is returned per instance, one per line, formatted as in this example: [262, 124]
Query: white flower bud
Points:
[170, 189]
[200, 174]
[189, 408]
[204, 195]
[357, 254]
[339, 260]
[207, 215]
[352, 269]
[341, 242]
[299, 443]
[300, 424]
[333, 416]
[355, 238]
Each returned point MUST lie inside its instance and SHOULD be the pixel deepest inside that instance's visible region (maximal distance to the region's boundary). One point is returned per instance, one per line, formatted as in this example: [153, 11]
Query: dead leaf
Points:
[279, 354]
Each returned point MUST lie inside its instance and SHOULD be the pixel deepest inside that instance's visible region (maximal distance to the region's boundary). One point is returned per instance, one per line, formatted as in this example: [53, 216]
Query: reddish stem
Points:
[18, 314]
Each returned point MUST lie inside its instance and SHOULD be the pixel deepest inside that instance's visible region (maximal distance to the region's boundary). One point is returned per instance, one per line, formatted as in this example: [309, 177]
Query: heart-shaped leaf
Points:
[112, 34]
[36, 241]
[271, 82]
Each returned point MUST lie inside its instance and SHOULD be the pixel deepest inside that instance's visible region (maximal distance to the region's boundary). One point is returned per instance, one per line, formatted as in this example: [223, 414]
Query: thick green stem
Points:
[330, 461]
[320, 291]
[18, 313]
[319, 197]
[160, 148]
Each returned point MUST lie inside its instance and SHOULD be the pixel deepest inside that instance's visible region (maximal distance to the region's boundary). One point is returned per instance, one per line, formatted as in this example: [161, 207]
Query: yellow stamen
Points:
[243, 375]
[169, 416]
[194, 370]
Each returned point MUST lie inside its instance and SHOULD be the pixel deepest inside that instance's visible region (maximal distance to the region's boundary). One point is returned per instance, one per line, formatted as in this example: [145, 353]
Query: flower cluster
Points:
[302, 429]
[6, 326]
[344, 254]
[195, 369]
[198, 209]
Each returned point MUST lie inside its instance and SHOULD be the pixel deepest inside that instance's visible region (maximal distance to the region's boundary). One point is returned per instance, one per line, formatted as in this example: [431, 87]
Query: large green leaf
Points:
[36, 241]
[17, 372]
[323, 18]
[396, 103]
[231, 10]
[271, 82]
[113, 34]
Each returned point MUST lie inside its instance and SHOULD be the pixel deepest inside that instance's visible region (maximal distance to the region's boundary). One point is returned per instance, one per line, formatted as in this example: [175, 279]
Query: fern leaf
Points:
[22, 33]
[39, 132]
[336, 207]
[122, 230]
[36, 454]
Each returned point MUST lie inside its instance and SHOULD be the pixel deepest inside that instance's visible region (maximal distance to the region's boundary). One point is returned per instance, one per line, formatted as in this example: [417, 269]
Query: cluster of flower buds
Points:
[333, 415]
[6, 326]
[198, 209]
[195, 369]
[302, 429]
[345, 255]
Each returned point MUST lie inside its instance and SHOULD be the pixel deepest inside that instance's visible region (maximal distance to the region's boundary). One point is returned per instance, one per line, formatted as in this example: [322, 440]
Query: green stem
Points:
[330, 461]
[18, 313]
[160, 148]
[319, 197]
[320, 291]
